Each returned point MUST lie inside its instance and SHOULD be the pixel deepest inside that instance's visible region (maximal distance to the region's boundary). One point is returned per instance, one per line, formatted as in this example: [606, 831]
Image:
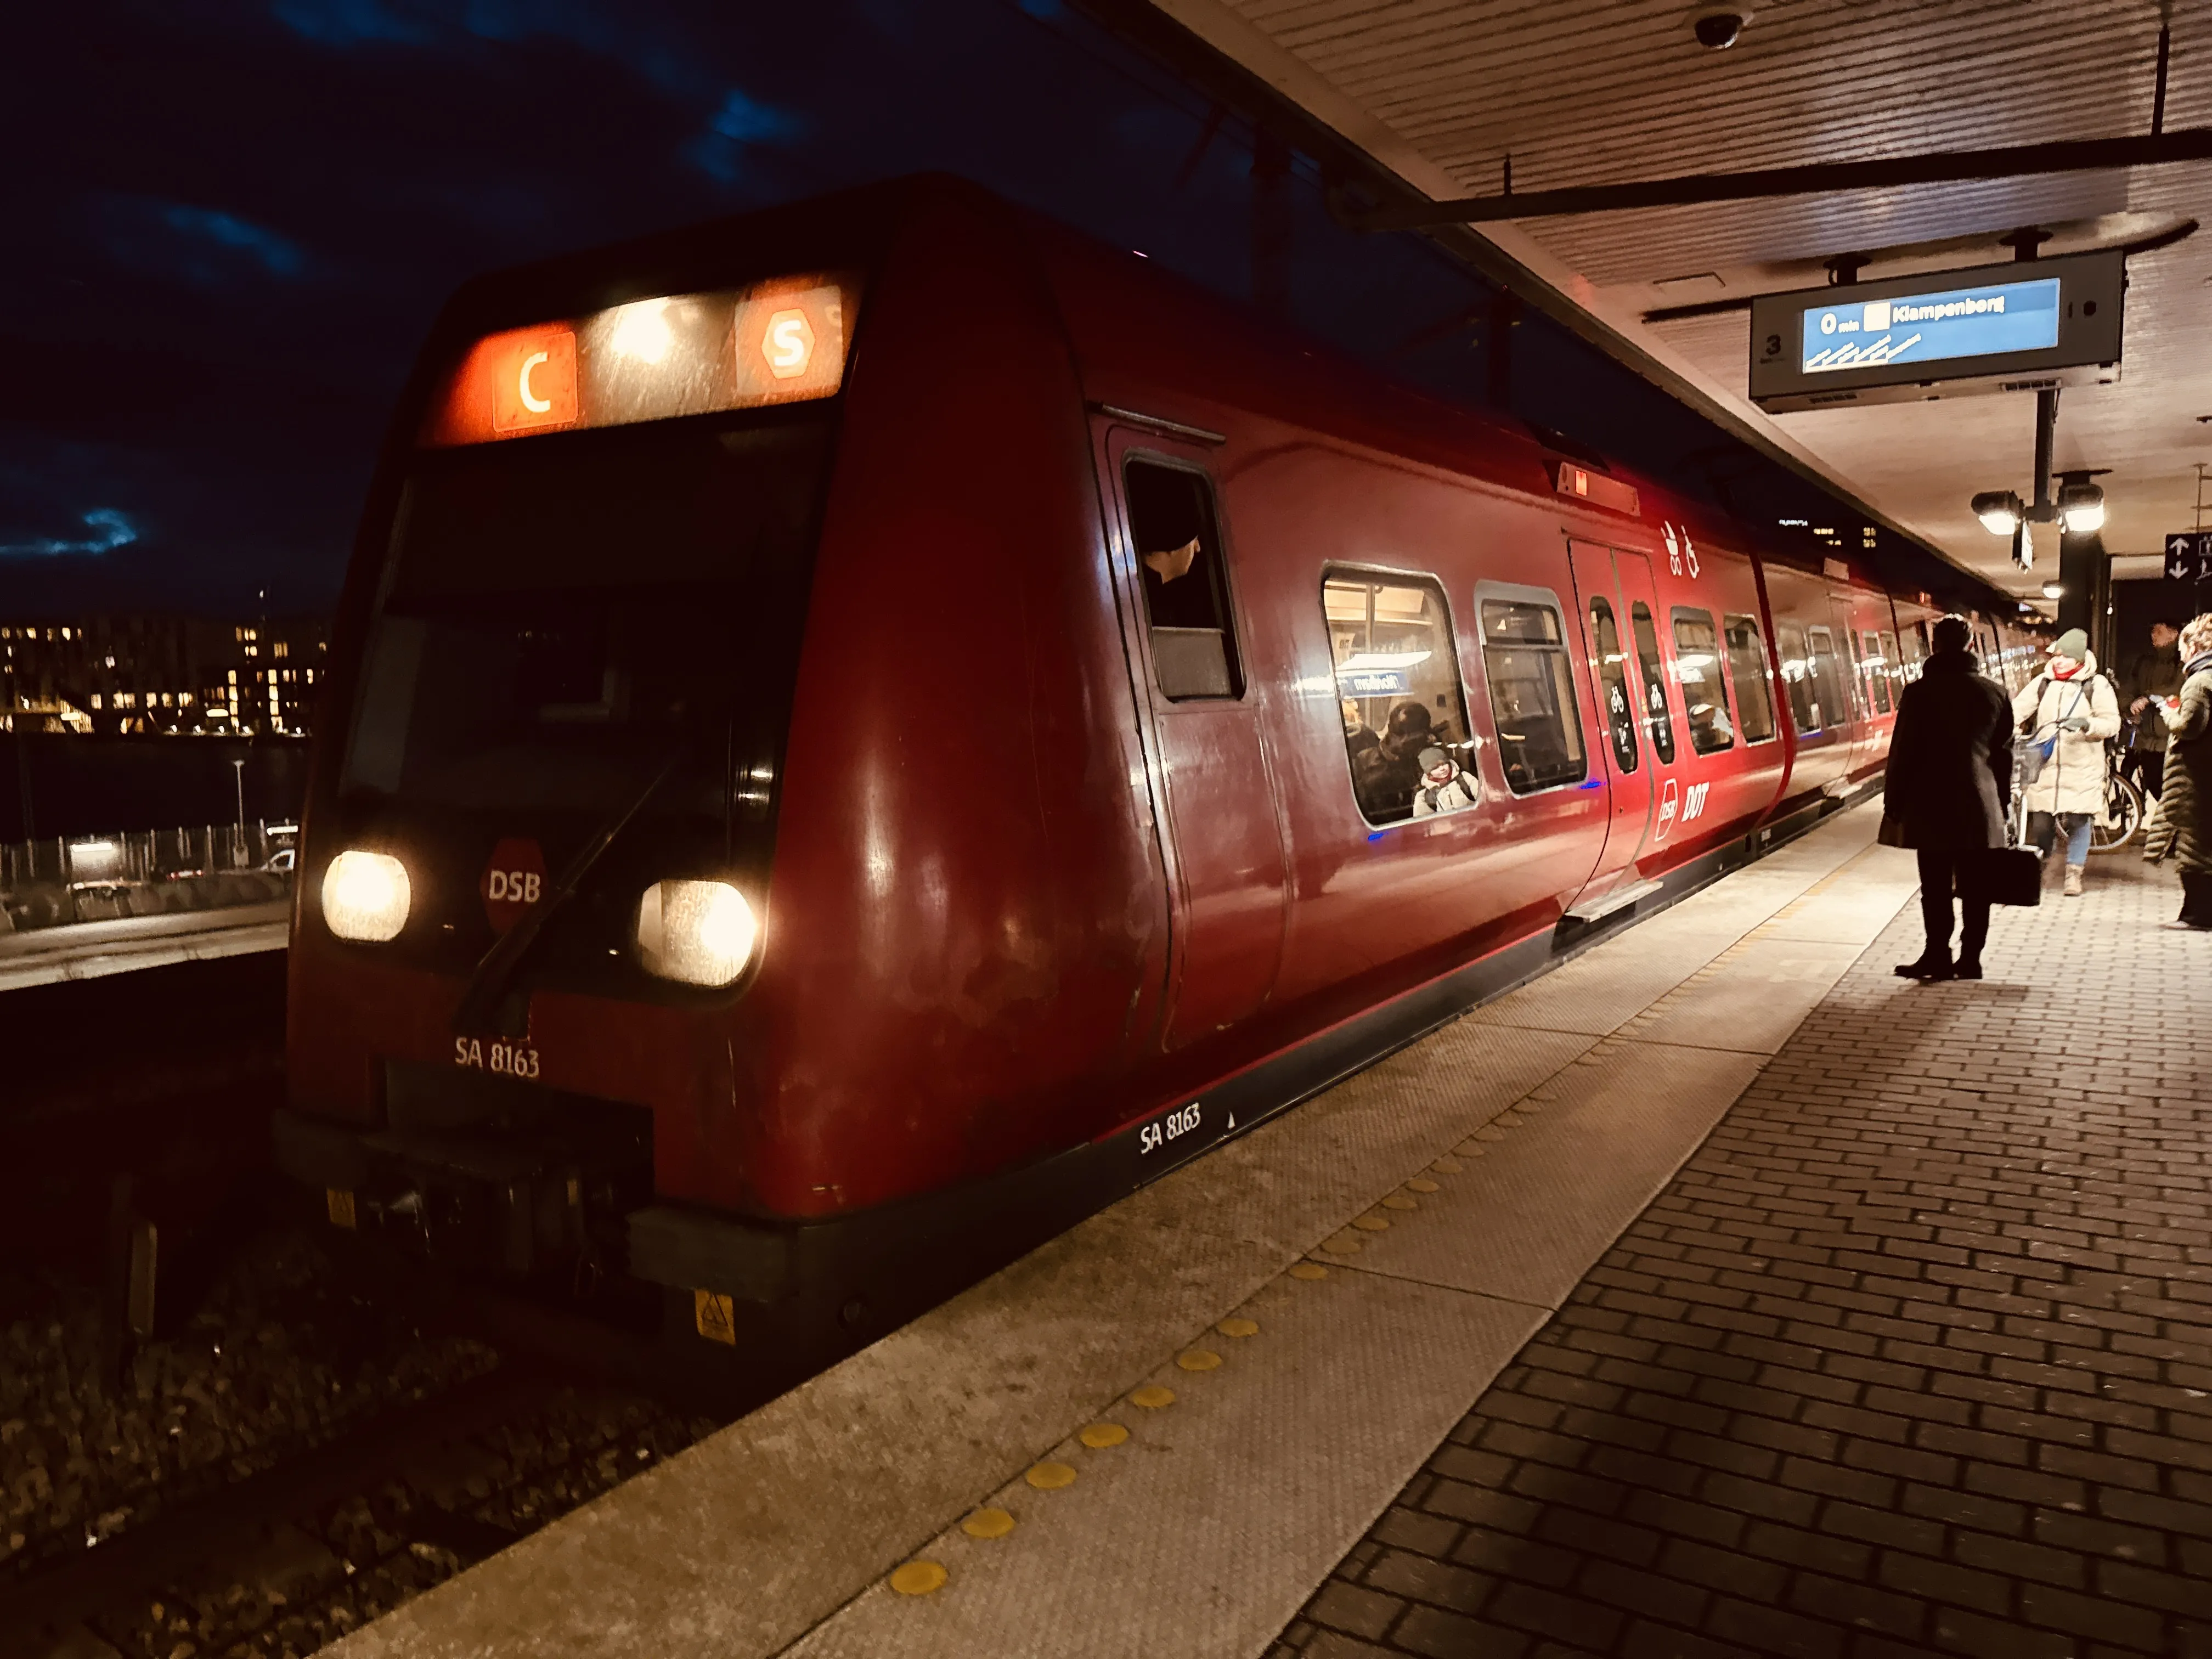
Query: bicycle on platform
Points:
[2127, 808]
[2127, 803]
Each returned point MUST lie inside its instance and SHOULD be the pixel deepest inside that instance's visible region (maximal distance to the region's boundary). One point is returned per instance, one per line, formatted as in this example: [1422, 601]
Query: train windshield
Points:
[562, 615]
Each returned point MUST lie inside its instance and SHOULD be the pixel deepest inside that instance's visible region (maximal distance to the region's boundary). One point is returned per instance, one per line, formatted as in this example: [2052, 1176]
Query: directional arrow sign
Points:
[2188, 556]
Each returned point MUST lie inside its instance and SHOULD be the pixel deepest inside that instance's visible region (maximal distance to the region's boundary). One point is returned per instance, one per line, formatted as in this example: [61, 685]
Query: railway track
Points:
[271, 1462]
[330, 1535]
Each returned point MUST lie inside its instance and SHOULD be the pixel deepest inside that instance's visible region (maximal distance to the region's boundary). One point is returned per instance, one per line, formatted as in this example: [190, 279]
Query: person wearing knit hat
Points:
[2068, 713]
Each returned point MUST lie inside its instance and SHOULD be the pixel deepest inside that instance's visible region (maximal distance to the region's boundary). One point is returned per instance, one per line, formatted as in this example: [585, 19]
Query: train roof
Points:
[1133, 325]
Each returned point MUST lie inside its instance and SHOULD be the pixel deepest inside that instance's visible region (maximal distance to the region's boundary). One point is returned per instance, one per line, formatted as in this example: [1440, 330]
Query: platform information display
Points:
[1932, 328]
[2017, 325]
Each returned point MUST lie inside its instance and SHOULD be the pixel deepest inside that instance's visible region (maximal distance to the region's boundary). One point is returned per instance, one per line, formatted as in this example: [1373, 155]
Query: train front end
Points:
[535, 881]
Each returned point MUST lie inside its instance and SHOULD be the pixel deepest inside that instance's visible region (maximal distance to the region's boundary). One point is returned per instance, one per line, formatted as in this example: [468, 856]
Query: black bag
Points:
[2004, 875]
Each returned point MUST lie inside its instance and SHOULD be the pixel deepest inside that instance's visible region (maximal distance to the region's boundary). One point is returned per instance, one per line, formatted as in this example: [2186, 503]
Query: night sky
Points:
[229, 226]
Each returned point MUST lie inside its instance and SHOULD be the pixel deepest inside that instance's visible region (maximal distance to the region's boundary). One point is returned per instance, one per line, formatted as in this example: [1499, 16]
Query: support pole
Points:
[2158, 97]
[2046, 434]
[128, 1318]
[2084, 573]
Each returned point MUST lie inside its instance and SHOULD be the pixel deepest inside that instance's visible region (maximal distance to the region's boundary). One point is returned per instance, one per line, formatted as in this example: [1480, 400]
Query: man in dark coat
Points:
[1384, 776]
[2152, 675]
[1948, 791]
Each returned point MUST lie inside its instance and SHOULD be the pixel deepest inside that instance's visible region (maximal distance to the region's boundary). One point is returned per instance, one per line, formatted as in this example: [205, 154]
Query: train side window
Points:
[1532, 696]
[1876, 670]
[1179, 559]
[1658, 719]
[1916, 650]
[1620, 710]
[1704, 688]
[1830, 703]
[1405, 734]
[1797, 678]
[1893, 662]
[1746, 657]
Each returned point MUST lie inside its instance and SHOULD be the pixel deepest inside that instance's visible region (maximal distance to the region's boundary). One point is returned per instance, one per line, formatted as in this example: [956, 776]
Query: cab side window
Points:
[1746, 657]
[1705, 691]
[1532, 696]
[1406, 735]
[1178, 538]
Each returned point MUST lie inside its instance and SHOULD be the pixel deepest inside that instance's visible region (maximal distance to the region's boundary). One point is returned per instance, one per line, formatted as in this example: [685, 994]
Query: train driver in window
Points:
[1174, 563]
[1384, 777]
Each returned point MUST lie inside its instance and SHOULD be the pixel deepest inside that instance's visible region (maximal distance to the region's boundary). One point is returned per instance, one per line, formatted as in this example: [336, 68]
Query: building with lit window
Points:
[177, 675]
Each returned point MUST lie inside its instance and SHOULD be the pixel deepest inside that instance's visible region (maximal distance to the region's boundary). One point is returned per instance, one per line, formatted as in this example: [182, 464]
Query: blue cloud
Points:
[347, 23]
[741, 122]
[110, 530]
[279, 255]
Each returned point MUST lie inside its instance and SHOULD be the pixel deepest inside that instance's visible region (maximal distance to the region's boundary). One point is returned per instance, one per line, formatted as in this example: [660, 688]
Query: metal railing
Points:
[58, 881]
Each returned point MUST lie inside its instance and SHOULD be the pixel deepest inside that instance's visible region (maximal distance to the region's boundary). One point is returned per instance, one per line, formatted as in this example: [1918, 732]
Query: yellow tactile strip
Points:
[1061, 1468]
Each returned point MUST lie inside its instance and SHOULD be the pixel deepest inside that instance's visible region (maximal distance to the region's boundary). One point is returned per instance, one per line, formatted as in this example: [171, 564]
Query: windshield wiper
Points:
[488, 985]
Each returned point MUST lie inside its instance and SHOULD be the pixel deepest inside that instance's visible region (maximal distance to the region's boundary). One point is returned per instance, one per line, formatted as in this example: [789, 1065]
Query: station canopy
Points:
[1441, 92]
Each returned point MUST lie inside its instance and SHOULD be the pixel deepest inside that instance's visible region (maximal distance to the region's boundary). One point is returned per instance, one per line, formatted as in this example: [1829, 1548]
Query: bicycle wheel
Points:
[2124, 810]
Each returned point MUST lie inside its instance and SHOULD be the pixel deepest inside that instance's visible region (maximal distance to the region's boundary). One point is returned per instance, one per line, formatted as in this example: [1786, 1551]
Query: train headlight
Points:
[365, 896]
[702, 932]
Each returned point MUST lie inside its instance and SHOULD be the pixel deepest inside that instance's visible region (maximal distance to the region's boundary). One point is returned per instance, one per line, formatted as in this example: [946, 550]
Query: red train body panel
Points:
[1026, 895]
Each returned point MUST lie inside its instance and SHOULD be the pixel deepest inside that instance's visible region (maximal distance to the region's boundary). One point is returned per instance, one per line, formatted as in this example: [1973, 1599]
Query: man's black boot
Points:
[1932, 965]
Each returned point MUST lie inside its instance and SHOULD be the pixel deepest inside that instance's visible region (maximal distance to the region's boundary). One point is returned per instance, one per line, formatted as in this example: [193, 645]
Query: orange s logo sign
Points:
[788, 345]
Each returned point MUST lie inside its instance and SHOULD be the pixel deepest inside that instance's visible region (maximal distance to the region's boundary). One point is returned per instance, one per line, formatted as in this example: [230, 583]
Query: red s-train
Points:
[858, 734]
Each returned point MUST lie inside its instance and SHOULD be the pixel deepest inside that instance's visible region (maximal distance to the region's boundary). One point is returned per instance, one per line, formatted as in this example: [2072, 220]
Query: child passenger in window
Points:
[1444, 788]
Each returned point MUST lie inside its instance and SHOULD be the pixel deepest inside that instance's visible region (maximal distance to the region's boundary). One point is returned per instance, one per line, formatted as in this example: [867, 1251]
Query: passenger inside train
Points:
[1397, 673]
[1444, 788]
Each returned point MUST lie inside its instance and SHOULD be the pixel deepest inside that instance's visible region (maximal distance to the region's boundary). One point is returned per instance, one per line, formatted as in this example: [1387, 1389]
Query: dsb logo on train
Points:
[514, 880]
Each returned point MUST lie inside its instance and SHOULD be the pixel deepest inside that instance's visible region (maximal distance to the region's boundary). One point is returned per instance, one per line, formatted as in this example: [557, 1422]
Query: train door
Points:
[1841, 636]
[1650, 678]
[1607, 644]
[1222, 836]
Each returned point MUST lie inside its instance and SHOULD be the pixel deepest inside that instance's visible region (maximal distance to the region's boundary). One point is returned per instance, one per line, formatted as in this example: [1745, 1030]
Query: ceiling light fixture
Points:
[1999, 510]
[2082, 508]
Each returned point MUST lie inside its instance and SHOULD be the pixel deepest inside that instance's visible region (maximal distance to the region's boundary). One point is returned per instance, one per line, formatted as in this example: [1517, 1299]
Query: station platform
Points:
[1717, 1292]
[93, 949]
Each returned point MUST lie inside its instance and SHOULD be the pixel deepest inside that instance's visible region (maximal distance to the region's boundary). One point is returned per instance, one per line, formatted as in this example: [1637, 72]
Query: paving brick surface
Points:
[1914, 1355]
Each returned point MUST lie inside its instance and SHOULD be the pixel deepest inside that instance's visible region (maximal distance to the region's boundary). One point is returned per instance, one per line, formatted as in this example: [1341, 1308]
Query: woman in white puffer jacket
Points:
[2069, 699]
